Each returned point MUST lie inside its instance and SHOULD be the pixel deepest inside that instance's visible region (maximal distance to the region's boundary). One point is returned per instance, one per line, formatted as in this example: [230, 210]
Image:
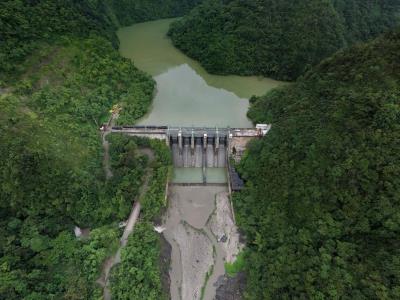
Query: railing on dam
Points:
[199, 147]
[259, 130]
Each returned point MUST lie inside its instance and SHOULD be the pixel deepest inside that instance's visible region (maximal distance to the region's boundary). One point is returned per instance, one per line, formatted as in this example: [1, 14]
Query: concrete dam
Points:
[199, 223]
[200, 147]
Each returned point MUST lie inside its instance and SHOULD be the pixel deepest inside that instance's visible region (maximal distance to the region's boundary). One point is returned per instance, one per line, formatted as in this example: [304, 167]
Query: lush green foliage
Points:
[45, 263]
[128, 12]
[237, 266]
[155, 199]
[280, 39]
[123, 151]
[62, 75]
[321, 205]
[26, 24]
[138, 274]
[50, 168]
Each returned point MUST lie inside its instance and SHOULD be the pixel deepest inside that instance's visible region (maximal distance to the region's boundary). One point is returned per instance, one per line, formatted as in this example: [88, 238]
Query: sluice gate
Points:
[199, 147]
[197, 152]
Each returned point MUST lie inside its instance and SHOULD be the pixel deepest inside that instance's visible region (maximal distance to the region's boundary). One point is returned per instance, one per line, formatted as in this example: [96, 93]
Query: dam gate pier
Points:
[201, 147]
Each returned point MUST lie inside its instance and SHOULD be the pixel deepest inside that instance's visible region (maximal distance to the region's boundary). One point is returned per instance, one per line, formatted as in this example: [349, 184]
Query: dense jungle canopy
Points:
[321, 207]
[26, 23]
[60, 73]
[279, 39]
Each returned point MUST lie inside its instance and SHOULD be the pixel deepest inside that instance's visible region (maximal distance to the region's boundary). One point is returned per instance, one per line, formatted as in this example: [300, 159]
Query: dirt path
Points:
[116, 258]
[106, 146]
[133, 217]
[131, 222]
[106, 159]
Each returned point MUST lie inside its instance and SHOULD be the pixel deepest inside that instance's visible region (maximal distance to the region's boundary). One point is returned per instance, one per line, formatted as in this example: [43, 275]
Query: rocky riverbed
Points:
[202, 234]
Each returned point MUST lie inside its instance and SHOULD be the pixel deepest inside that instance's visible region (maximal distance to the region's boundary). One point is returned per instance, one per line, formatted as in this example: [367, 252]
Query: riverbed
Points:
[188, 96]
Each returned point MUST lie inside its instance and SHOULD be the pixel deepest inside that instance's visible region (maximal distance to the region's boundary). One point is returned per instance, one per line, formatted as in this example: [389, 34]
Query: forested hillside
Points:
[279, 39]
[25, 24]
[60, 73]
[321, 205]
[128, 12]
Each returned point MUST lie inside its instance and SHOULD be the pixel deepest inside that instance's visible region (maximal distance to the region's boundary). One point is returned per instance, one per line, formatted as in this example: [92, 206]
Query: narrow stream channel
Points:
[188, 96]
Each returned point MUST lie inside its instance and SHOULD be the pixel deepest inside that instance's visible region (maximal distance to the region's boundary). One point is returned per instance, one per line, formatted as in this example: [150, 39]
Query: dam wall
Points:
[203, 148]
[199, 153]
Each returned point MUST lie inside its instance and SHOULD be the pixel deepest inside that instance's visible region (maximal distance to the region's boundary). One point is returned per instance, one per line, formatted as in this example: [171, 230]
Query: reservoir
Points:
[199, 224]
[186, 94]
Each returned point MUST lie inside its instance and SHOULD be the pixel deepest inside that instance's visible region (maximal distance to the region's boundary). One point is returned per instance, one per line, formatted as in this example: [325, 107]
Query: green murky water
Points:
[186, 94]
[195, 175]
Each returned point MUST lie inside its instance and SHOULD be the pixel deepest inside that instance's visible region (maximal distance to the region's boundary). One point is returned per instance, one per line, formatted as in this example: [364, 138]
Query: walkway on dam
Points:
[200, 147]
[162, 131]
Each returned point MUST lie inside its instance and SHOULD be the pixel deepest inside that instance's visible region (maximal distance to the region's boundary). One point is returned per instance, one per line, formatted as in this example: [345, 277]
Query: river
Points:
[188, 96]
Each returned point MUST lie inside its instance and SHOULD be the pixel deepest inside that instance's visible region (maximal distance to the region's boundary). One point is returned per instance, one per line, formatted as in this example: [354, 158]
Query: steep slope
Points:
[279, 39]
[322, 200]
[128, 12]
[25, 24]
[60, 73]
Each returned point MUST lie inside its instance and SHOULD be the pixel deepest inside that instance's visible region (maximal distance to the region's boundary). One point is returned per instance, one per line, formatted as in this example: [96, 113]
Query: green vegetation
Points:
[321, 205]
[123, 149]
[51, 175]
[279, 39]
[138, 274]
[60, 73]
[128, 12]
[26, 24]
[237, 266]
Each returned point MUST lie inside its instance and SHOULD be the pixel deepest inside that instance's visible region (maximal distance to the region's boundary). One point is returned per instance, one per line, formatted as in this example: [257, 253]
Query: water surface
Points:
[195, 175]
[186, 94]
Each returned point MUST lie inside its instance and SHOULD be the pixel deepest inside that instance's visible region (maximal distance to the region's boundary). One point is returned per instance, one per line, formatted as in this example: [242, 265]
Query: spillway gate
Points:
[199, 147]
